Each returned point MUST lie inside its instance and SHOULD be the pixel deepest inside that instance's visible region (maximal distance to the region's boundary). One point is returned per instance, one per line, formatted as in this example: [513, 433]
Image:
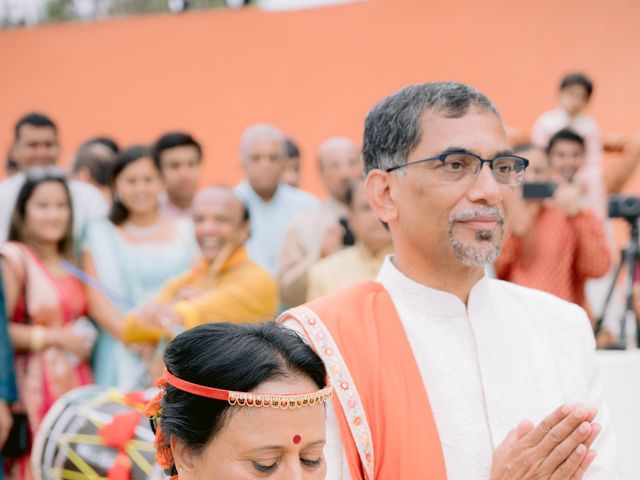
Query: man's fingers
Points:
[563, 453]
[535, 436]
[524, 427]
[564, 429]
[586, 462]
[571, 465]
[595, 430]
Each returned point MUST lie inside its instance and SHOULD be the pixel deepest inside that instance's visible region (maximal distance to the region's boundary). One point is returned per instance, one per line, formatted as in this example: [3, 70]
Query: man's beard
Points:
[486, 247]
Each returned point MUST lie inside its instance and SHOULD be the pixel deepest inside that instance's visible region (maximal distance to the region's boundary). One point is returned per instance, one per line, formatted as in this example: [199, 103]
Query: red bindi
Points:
[297, 439]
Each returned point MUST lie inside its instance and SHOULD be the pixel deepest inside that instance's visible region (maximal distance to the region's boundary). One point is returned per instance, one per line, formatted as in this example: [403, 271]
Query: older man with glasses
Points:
[441, 372]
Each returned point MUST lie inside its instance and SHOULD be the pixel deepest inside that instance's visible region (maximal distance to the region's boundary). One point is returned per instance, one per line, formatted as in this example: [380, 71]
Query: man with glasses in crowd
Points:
[439, 371]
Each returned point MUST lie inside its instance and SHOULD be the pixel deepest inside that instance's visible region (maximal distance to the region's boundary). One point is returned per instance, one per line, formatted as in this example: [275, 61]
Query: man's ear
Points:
[380, 188]
[183, 457]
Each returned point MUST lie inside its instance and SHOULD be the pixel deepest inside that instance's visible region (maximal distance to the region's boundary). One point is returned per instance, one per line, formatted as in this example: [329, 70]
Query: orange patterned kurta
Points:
[558, 255]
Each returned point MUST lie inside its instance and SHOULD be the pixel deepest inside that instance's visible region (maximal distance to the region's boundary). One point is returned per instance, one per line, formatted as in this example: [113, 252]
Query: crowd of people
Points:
[102, 265]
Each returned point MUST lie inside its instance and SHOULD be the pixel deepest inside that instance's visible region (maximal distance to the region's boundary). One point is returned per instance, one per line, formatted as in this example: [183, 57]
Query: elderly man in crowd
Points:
[36, 145]
[317, 234]
[356, 263]
[225, 286]
[272, 204]
[92, 165]
[441, 372]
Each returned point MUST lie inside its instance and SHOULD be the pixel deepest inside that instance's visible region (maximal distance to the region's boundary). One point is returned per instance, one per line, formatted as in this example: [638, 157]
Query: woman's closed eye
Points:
[311, 463]
[264, 467]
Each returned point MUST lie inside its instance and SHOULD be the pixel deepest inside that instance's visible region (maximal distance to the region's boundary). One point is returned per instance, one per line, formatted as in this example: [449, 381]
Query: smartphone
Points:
[538, 190]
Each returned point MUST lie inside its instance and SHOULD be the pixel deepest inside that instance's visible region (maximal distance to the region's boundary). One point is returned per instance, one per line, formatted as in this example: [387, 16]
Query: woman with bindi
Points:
[241, 402]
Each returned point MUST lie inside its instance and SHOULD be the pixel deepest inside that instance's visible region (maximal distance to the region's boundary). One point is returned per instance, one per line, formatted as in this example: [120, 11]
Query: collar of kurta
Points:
[421, 298]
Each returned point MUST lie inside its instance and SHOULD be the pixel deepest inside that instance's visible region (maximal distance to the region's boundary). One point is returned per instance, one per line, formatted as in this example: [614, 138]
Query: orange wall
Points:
[314, 73]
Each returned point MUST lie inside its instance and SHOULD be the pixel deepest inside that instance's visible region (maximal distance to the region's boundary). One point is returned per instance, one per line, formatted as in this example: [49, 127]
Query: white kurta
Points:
[512, 353]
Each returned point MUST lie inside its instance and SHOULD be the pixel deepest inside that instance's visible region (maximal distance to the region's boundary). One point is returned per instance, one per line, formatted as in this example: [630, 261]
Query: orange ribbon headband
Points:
[251, 399]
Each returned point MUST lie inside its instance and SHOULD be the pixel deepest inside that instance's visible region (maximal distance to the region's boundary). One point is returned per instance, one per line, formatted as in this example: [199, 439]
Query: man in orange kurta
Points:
[553, 246]
[440, 372]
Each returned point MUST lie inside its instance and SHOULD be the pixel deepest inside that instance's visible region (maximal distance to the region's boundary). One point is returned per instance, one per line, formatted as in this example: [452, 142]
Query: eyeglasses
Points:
[455, 166]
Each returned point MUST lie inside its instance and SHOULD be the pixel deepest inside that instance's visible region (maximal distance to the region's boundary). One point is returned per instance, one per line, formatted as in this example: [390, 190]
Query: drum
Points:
[92, 432]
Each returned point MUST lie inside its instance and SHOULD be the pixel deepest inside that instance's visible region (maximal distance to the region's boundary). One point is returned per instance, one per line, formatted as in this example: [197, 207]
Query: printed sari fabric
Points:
[49, 300]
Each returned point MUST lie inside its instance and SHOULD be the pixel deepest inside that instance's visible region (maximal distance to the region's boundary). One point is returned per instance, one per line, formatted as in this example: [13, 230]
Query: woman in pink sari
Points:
[45, 304]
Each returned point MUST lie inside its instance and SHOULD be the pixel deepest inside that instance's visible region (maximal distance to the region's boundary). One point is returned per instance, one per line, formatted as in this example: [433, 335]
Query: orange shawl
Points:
[385, 418]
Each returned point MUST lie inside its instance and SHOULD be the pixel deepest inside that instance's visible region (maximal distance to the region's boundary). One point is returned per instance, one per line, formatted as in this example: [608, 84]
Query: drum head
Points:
[92, 432]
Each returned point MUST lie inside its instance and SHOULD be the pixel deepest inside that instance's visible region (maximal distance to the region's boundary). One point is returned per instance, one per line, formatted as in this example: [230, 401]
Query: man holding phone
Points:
[555, 244]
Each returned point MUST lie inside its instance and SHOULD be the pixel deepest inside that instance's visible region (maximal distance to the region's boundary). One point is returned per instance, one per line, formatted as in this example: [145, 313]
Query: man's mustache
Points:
[468, 214]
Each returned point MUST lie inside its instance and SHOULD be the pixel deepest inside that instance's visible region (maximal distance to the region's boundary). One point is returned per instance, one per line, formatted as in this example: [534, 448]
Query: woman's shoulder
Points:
[14, 255]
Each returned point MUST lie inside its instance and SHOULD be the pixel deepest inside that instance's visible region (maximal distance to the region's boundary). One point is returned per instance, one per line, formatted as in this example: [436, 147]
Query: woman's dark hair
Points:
[232, 357]
[34, 178]
[119, 212]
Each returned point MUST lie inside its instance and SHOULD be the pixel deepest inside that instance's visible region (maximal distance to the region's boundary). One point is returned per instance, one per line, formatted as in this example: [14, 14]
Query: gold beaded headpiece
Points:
[252, 399]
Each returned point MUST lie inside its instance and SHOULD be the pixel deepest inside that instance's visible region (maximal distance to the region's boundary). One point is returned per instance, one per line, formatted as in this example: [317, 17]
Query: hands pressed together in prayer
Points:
[557, 449]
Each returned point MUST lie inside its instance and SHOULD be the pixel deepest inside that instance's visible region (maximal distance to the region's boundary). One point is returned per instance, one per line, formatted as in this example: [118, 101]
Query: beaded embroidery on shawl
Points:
[344, 386]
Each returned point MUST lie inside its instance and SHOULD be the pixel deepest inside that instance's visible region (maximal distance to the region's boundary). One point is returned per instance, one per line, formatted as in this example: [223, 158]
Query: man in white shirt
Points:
[441, 372]
[272, 204]
[36, 145]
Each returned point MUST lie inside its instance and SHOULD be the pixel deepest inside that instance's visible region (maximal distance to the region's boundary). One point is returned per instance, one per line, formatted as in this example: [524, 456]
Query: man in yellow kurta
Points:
[225, 286]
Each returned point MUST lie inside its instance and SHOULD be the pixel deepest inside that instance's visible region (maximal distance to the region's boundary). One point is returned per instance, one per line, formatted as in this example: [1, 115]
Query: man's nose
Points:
[485, 187]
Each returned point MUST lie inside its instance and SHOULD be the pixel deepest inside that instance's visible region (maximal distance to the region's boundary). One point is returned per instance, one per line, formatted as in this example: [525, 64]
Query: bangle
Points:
[37, 338]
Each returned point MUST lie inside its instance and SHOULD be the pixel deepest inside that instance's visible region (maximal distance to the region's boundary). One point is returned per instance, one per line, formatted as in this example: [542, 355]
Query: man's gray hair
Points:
[260, 131]
[393, 127]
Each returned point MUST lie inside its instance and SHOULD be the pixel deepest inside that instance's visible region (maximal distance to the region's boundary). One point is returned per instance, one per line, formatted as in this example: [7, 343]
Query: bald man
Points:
[272, 204]
[317, 234]
[225, 286]
[92, 165]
